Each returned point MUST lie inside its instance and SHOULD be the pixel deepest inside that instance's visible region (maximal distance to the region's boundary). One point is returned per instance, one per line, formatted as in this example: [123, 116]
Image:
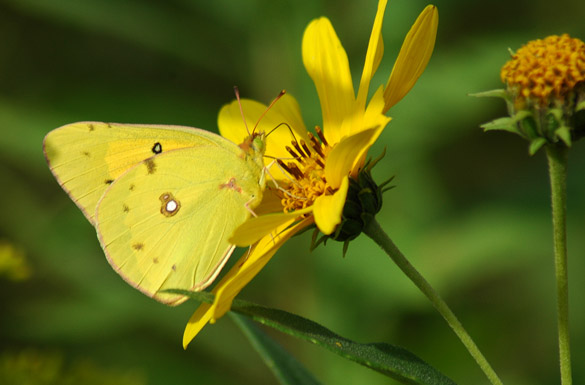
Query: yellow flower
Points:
[312, 183]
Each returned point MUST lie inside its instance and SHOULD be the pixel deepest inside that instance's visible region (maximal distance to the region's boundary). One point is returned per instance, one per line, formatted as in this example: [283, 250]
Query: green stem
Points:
[374, 231]
[557, 167]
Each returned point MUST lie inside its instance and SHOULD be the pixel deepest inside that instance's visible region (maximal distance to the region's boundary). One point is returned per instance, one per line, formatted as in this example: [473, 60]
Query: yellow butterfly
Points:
[163, 199]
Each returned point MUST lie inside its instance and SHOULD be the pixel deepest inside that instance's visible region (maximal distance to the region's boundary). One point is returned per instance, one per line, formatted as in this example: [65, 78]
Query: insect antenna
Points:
[237, 92]
[280, 95]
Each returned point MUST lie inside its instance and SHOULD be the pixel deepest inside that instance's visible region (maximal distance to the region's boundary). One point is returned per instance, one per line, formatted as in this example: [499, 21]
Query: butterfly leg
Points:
[266, 169]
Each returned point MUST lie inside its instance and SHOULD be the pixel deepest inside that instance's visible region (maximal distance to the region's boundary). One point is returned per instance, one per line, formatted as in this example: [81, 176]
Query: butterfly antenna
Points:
[237, 92]
[280, 95]
[287, 126]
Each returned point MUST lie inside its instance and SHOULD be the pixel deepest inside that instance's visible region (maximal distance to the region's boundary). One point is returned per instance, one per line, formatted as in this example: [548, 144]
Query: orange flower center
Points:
[547, 68]
[307, 173]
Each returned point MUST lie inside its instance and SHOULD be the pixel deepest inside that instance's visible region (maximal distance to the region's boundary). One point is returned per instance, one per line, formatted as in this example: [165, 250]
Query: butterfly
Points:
[163, 199]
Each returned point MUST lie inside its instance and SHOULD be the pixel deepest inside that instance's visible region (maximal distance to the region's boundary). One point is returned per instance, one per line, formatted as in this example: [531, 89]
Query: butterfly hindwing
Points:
[165, 223]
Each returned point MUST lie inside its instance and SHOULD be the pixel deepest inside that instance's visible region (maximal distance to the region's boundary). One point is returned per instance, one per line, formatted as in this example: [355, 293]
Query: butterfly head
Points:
[254, 145]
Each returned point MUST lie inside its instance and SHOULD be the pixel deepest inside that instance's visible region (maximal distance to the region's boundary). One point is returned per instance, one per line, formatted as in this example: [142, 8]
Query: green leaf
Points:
[287, 369]
[580, 106]
[390, 360]
[535, 145]
[499, 93]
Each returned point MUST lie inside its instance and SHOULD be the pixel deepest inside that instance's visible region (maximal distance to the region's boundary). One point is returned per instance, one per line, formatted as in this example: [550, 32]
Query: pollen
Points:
[307, 173]
[546, 69]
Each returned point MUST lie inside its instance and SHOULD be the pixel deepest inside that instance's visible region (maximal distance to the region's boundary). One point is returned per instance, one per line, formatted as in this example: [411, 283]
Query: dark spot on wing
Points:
[125, 208]
[155, 260]
[85, 153]
[157, 148]
[138, 246]
[150, 166]
[91, 127]
[109, 181]
[131, 188]
[170, 206]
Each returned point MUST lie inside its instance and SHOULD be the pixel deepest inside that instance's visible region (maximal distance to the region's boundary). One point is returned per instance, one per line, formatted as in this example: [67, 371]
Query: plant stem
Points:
[374, 231]
[557, 167]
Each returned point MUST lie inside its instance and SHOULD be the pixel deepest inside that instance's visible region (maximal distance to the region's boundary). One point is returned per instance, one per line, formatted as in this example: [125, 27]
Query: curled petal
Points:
[413, 57]
[285, 112]
[239, 276]
[327, 64]
[346, 154]
[255, 228]
[373, 56]
[327, 209]
[197, 321]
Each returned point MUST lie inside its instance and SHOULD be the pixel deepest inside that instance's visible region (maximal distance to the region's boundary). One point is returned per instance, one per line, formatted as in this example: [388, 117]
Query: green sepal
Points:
[536, 144]
[499, 93]
[564, 133]
[502, 124]
[316, 240]
[530, 128]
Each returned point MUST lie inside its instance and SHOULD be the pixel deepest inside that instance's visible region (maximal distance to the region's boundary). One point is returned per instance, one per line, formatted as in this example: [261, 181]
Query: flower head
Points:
[545, 70]
[545, 92]
[311, 172]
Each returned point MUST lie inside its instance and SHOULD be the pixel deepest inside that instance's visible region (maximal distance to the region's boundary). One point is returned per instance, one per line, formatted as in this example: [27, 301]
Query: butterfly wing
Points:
[165, 223]
[86, 157]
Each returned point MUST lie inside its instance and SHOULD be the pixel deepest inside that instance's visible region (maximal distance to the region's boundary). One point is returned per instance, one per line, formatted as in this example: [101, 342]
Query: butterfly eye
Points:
[169, 205]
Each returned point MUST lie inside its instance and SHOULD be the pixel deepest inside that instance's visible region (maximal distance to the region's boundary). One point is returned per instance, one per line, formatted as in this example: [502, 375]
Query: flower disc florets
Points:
[545, 70]
[545, 92]
[307, 173]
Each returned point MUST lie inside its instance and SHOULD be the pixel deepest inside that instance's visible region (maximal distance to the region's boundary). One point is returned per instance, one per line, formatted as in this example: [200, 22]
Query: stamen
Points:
[298, 148]
[321, 136]
[316, 145]
[294, 154]
[318, 161]
[306, 148]
[296, 172]
[283, 165]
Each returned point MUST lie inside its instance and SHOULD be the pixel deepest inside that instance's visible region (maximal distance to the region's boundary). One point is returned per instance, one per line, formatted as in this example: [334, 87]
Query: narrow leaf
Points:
[390, 360]
[285, 367]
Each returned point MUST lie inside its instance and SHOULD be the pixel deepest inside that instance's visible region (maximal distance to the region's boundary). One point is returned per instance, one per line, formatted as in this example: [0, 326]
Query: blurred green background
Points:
[470, 210]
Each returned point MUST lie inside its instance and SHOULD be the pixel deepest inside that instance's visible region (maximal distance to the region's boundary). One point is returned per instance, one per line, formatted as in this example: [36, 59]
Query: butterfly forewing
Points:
[87, 157]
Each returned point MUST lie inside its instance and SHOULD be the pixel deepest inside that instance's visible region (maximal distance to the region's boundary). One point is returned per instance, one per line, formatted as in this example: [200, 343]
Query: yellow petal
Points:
[285, 110]
[327, 64]
[343, 157]
[327, 209]
[413, 57]
[197, 321]
[373, 56]
[239, 276]
[255, 228]
[260, 254]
